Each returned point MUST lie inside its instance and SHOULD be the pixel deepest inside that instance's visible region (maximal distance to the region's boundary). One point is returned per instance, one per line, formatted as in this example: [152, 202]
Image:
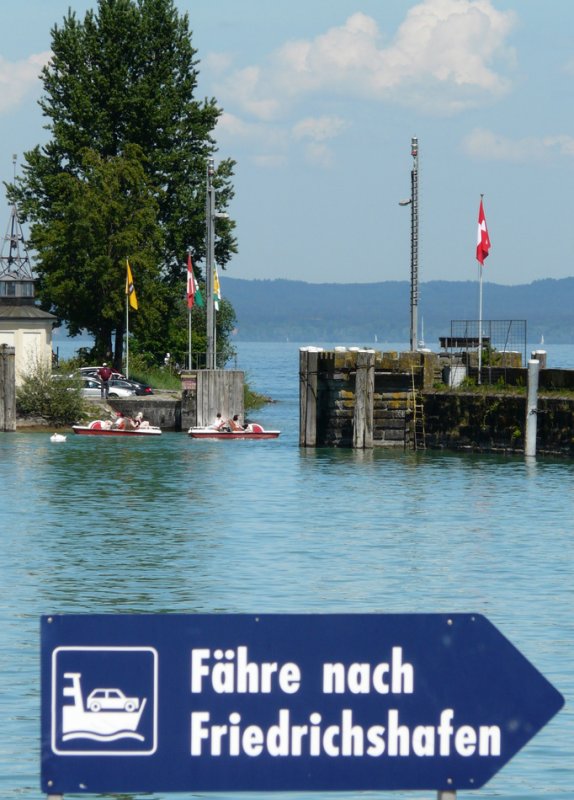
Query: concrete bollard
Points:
[540, 355]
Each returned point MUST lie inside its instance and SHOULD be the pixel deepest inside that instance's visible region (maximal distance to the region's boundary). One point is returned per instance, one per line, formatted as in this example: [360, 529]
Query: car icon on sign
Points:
[111, 700]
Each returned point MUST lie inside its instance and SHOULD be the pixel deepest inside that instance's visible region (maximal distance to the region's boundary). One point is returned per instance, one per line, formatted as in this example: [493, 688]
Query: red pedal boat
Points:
[253, 431]
[103, 428]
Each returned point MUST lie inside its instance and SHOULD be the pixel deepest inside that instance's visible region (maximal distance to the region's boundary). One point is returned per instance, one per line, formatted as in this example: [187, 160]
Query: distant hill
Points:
[276, 310]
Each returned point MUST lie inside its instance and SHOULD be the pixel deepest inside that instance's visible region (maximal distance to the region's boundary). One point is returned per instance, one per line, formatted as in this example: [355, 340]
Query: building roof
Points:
[24, 312]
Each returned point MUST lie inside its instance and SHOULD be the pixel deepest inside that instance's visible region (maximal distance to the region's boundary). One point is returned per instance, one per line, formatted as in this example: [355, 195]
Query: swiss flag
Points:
[482, 241]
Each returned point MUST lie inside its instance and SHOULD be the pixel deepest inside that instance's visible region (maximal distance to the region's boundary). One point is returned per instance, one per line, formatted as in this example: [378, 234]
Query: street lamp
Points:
[210, 216]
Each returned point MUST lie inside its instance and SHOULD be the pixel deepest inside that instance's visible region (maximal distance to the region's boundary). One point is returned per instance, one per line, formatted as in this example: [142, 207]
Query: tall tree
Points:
[123, 173]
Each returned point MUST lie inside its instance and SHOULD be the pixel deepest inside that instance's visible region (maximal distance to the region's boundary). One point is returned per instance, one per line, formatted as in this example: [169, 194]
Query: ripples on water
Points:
[174, 525]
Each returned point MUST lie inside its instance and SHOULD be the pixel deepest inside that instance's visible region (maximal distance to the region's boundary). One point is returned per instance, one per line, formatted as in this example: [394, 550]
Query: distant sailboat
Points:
[421, 347]
[542, 339]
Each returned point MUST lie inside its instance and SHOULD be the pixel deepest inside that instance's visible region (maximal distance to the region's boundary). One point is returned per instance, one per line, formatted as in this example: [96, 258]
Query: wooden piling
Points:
[7, 388]
[364, 400]
[308, 366]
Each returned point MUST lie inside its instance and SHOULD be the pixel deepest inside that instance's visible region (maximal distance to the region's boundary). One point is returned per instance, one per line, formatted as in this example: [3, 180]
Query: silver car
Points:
[93, 388]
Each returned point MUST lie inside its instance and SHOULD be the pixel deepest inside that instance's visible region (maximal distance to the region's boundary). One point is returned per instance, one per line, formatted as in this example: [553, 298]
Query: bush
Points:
[252, 400]
[55, 398]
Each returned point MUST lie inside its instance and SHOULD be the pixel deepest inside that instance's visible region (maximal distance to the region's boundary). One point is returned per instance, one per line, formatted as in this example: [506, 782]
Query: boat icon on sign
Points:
[106, 716]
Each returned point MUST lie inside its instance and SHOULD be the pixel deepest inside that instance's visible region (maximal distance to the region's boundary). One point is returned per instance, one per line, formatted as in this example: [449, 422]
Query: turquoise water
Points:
[174, 525]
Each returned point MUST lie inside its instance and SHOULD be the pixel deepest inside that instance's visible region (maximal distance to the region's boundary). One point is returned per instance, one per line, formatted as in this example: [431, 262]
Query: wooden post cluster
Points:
[207, 391]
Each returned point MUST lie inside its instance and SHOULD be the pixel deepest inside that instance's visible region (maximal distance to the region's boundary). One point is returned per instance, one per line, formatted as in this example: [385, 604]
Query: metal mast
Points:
[209, 262]
[16, 261]
[414, 242]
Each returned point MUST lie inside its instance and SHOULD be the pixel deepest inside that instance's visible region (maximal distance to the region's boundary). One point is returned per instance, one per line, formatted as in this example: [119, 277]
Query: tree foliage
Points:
[123, 173]
[225, 324]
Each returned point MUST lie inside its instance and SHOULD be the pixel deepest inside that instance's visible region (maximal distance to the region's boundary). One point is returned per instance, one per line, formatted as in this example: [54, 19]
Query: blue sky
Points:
[320, 101]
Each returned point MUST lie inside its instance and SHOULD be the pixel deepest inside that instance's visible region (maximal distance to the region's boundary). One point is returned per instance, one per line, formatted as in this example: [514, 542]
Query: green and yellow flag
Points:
[216, 289]
[130, 290]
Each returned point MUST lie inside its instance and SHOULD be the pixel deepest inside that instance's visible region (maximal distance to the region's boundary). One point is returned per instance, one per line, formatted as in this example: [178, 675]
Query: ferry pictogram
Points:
[106, 715]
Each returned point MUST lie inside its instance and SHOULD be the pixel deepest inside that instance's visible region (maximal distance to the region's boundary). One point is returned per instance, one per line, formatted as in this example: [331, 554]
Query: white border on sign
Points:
[101, 753]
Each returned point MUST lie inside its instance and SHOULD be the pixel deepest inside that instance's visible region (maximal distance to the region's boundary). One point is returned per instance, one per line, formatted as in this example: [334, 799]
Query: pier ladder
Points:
[418, 437]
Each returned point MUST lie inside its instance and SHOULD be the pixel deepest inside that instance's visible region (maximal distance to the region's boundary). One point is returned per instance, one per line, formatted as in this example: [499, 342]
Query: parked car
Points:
[90, 387]
[140, 388]
[121, 384]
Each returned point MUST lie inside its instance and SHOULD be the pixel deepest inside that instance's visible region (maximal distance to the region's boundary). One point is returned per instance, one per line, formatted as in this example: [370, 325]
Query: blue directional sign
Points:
[213, 703]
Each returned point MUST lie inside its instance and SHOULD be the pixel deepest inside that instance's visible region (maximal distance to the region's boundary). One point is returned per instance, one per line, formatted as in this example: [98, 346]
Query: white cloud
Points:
[490, 146]
[270, 160]
[442, 59]
[217, 63]
[247, 89]
[18, 78]
[319, 129]
[271, 141]
[318, 154]
[451, 42]
[315, 132]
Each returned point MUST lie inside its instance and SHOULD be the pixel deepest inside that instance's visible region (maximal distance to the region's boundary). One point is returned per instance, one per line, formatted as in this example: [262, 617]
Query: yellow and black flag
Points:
[130, 290]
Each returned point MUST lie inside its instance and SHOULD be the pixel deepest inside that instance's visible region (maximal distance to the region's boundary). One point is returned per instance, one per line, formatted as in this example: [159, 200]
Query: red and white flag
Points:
[190, 283]
[482, 241]
[194, 296]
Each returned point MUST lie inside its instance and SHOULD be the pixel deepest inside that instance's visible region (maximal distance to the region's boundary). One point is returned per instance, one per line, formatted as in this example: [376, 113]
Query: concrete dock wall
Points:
[165, 413]
[496, 423]
[331, 381]
[400, 405]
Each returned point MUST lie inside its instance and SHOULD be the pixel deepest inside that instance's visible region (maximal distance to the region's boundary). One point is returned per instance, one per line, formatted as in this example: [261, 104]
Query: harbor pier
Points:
[416, 400]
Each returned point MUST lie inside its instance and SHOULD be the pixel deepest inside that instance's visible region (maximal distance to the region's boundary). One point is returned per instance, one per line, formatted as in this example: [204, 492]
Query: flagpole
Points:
[127, 336]
[215, 327]
[188, 316]
[480, 327]
[480, 317]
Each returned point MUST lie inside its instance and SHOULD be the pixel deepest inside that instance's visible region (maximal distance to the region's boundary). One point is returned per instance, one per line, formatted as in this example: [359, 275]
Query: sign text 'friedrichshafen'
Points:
[229, 672]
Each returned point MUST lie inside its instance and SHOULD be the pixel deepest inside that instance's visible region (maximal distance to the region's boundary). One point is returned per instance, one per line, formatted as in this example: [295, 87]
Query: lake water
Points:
[174, 525]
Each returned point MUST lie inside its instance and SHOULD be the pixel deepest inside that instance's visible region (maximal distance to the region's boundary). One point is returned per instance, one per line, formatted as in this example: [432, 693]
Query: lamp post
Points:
[210, 360]
[210, 217]
[413, 202]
